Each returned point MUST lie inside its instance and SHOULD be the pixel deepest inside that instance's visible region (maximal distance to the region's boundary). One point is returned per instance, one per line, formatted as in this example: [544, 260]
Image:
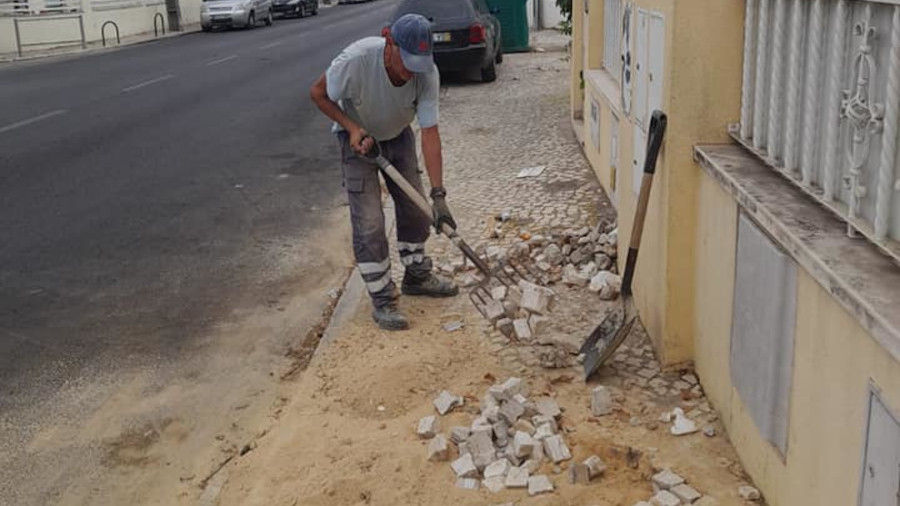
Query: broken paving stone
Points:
[498, 468]
[437, 449]
[511, 411]
[501, 436]
[535, 299]
[539, 484]
[552, 254]
[498, 292]
[666, 479]
[522, 330]
[686, 493]
[595, 465]
[495, 484]
[538, 420]
[707, 501]
[459, 434]
[464, 467]
[494, 310]
[538, 324]
[428, 427]
[682, 424]
[446, 401]
[544, 431]
[606, 284]
[555, 449]
[547, 406]
[517, 477]
[481, 447]
[573, 277]
[748, 493]
[567, 343]
[453, 326]
[665, 498]
[579, 474]
[505, 326]
[602, 261]
[467, 483]
[523, 445]
[524, 426]
[513, 386]
[601, 401]
[690, 378]
[492, 414]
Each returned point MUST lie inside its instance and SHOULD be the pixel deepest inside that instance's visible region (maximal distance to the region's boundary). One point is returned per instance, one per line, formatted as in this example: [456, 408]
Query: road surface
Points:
[171, 219]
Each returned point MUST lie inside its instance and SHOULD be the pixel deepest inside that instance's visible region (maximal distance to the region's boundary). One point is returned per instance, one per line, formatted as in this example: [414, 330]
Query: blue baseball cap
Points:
[412, 34]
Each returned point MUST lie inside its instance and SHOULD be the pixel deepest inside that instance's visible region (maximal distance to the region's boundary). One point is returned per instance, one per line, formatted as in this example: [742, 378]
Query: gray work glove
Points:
[441, 211]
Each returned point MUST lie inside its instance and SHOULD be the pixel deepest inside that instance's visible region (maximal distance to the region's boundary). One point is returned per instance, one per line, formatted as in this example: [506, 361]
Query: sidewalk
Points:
[348, 435]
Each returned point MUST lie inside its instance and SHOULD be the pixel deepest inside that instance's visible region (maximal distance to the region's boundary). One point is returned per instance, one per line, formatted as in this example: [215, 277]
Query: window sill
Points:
[602, 81]
[855, 272]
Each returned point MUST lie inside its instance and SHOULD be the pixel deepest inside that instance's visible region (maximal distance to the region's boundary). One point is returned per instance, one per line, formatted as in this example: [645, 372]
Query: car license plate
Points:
[441, 37]
[221, 17]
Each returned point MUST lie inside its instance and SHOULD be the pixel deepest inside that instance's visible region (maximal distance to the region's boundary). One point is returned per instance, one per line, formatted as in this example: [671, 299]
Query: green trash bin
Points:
[513, 17]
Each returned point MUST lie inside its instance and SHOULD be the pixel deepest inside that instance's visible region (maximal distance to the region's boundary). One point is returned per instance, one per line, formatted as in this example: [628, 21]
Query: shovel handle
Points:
[656, 133]
[421, 202]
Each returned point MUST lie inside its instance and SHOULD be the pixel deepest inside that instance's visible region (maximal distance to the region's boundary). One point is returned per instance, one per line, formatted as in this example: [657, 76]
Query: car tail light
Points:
[476, 34]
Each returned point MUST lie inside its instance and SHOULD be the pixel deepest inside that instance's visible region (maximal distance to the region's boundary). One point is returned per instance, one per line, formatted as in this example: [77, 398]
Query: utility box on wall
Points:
[649, 57]
[880, 483]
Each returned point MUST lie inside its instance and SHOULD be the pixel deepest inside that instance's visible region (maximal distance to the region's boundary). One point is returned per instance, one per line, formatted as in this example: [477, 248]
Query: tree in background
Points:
[565, 7]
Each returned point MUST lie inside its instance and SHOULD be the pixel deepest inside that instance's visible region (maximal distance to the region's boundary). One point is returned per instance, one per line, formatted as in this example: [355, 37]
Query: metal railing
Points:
[612, 37]
[56, 42]
[161, 25]
[103, 32]
[820, 102]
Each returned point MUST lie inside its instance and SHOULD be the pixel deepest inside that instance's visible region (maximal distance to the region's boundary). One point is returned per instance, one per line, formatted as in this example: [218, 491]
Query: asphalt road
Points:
[146, 194]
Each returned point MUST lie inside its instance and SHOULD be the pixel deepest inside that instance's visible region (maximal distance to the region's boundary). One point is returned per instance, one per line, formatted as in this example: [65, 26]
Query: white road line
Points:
[221, 60]
[268, 46]
[29, 121]
[147, 83]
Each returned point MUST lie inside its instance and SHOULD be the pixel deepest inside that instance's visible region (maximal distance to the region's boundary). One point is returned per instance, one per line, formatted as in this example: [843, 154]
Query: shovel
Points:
[613, 330]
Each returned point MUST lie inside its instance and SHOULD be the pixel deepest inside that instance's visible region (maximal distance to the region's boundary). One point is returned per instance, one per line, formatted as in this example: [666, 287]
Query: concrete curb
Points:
[352, 296]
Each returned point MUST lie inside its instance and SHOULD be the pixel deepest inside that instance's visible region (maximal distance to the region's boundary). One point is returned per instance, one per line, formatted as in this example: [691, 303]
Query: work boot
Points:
[429, 285]
[389, 317]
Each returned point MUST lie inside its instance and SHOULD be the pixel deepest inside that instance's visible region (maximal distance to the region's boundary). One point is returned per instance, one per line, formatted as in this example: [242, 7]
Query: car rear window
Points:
[437, 10]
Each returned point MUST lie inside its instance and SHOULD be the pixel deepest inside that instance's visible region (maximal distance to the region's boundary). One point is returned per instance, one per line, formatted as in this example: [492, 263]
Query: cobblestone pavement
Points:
[349, 435]
[527, 116]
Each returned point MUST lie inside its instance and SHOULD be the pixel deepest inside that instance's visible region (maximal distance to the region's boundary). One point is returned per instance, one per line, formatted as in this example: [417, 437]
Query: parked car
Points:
[299, 8]
[341, 2]
[466, 34]
[234, 13]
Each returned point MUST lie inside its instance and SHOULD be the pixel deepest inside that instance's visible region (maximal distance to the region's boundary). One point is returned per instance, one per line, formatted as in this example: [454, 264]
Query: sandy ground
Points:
[346, 436]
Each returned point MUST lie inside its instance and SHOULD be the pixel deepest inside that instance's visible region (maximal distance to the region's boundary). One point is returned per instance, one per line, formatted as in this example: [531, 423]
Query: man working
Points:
[374, 89]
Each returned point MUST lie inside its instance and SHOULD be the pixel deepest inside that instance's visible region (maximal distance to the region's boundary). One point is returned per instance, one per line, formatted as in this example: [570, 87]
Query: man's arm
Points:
[431, 150]
[434, 164]
[358, 141]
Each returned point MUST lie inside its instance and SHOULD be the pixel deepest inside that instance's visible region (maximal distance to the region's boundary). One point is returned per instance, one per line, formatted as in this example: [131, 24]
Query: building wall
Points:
[131, 21]
[834, 361]
[698, 112]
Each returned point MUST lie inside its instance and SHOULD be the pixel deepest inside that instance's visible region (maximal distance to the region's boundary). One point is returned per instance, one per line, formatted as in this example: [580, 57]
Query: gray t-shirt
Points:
[357, 80]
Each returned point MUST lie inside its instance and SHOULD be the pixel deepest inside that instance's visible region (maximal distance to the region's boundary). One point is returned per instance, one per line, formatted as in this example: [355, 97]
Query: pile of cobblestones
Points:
[508, 443]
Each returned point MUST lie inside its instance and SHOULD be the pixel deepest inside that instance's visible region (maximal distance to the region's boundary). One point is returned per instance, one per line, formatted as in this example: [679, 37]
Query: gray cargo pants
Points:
[370, 245]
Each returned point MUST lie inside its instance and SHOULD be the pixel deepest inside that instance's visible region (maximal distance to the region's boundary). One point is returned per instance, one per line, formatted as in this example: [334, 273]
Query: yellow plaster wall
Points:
[701, 95]
[834, 360]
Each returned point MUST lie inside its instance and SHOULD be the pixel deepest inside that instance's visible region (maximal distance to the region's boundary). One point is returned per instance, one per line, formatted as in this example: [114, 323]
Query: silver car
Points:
[234, 13]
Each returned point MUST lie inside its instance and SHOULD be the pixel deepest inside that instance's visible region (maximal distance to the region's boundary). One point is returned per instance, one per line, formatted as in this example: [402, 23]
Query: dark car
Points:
[466, 34]
[299, 8]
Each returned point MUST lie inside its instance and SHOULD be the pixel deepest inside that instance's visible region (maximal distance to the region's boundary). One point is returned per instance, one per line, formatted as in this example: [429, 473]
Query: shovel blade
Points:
[607, 338]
